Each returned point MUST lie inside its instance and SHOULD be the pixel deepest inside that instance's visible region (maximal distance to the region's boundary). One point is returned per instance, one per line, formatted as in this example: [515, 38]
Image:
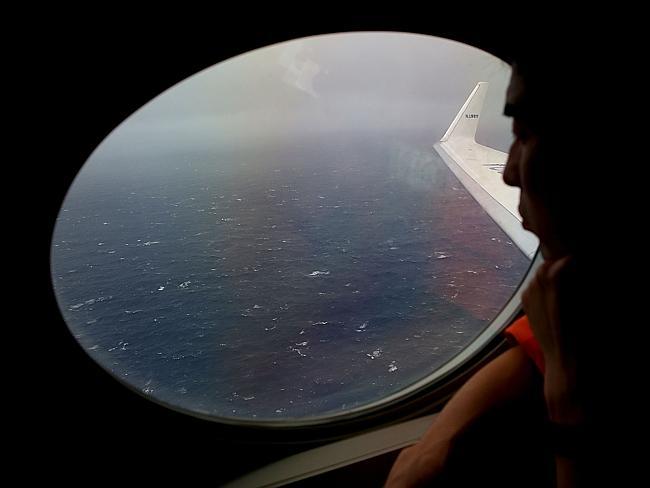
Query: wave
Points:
[92, 301]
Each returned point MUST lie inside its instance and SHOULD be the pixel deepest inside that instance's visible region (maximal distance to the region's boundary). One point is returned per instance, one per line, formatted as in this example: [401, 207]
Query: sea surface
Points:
[279, 280]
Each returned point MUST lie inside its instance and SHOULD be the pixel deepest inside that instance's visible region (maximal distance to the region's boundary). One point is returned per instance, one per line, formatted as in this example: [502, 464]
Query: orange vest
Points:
[521, 332]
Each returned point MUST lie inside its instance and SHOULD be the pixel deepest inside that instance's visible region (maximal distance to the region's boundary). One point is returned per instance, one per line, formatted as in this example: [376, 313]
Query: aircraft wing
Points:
[479, 169]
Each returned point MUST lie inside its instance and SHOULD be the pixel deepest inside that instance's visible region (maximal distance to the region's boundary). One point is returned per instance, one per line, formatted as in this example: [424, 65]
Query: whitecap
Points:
[92, 301]
[256, 306]
[300, 353]
[321, 323]
[375, 354]
[185, 284]
[318, 273]
[362, 327]
[392, 368]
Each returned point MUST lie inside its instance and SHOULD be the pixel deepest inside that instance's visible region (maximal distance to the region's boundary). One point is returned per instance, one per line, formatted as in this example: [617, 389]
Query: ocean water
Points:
[277, 280]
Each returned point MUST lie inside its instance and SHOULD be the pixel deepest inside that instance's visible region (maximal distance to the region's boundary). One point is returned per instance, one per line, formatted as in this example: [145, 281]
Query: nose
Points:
[511, 171]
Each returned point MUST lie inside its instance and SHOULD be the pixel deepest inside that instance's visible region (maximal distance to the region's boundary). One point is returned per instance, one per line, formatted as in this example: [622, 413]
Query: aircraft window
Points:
[276, 236]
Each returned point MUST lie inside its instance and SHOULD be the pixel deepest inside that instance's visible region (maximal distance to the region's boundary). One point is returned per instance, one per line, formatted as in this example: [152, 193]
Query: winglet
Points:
[466, 121]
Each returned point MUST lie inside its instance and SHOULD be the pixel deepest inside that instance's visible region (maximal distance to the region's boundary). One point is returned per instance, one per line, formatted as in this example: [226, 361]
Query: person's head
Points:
[526, 168]
[544, 160]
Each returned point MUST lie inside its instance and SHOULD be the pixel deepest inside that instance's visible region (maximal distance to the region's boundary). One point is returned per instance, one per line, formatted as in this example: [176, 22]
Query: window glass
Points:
[276, 238]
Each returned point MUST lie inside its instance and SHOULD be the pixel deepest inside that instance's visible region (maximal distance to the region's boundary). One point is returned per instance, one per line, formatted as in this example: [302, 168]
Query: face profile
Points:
[525, 168]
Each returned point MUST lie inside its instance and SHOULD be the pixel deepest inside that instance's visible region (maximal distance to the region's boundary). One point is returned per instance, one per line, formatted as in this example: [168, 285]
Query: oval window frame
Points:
[412, 401]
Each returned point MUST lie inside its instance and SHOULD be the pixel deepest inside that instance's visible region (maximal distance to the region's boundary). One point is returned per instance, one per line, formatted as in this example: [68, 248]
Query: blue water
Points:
[278, 280]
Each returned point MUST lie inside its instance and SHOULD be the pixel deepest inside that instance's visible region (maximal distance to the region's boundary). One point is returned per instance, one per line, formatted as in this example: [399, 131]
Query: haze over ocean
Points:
[278, 280]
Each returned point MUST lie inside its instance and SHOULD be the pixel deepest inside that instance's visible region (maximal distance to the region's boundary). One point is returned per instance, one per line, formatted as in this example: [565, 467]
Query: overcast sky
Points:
[334, 82]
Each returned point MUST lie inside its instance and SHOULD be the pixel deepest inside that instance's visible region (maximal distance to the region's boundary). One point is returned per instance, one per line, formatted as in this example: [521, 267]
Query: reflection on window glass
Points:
[275, 238]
